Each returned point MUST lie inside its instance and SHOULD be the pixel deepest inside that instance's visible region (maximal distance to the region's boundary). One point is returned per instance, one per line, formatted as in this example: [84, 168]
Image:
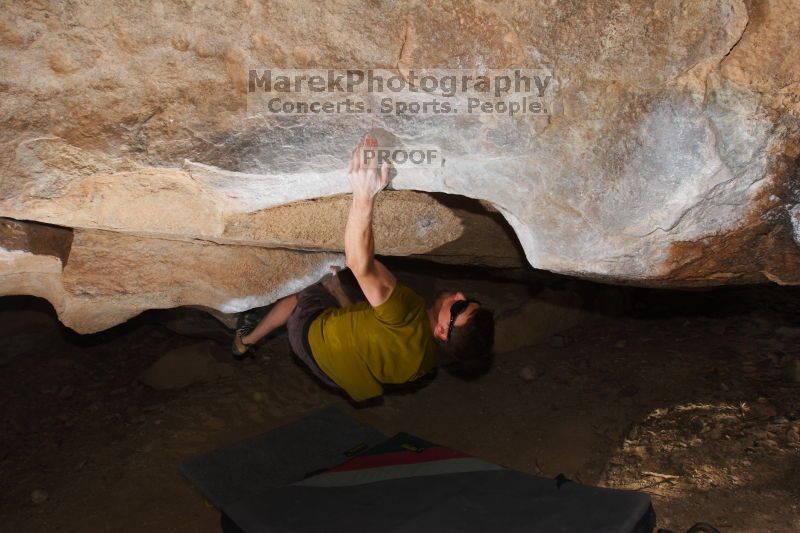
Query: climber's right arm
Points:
[374, 278]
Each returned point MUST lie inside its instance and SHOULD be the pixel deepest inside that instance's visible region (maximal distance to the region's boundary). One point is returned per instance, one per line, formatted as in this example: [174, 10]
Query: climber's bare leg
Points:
[277, 317]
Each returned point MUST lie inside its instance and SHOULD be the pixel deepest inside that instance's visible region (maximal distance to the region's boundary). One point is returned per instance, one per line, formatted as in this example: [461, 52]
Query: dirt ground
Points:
[691, 397]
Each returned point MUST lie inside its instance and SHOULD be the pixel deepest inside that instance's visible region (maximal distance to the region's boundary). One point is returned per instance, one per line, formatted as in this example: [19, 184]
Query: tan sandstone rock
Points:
[670, 157]
[105, 278]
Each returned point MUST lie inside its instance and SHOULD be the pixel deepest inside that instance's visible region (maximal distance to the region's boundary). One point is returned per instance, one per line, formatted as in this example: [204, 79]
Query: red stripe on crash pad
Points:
[399, 458]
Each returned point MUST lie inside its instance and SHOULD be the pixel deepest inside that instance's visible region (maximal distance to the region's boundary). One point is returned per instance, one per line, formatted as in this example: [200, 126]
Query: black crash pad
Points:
[276, 483]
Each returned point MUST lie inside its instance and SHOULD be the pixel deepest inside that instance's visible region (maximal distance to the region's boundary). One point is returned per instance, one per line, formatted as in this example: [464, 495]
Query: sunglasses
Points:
[458, 308]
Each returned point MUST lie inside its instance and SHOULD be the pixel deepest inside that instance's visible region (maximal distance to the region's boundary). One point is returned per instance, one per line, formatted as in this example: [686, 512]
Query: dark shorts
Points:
[311, 302]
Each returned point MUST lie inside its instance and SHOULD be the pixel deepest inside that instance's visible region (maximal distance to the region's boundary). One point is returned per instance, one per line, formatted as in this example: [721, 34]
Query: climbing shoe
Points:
[245, 323]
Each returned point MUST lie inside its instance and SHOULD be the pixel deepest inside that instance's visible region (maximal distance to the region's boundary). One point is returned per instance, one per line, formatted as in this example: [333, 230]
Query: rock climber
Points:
[391, 338]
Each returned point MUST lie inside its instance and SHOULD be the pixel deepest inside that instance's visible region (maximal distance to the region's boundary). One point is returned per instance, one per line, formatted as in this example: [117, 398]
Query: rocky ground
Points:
[691, 397]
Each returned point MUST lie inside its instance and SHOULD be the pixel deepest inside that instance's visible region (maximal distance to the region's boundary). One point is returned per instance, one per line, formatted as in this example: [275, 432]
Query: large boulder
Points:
[670, 159]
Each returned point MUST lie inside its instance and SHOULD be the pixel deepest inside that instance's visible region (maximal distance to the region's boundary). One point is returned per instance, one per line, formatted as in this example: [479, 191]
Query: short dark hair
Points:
[470, 345]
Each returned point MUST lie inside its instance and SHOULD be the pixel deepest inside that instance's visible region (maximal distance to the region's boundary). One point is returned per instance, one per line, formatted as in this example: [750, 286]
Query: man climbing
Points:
[391, 338]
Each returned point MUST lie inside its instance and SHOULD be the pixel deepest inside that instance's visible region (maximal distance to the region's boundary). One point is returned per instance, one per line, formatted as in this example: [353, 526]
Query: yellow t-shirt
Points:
[360, 347]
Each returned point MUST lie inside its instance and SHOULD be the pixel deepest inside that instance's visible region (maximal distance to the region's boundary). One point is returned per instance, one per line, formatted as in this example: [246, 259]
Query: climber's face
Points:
[443, 310]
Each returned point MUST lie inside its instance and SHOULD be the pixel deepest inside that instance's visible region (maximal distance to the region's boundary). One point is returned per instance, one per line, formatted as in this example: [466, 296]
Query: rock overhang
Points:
[672, 160]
